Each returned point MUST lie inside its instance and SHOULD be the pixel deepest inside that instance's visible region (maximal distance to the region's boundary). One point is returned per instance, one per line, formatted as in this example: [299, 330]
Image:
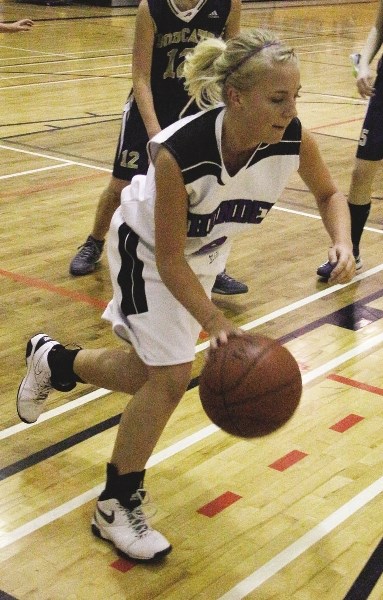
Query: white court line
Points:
[79, 70]
[34, 171]
[303, 543]
[7, 539]
[66, 58]
[312, 216]
[80, 164]
[99, 393]
[199, 348]
[61, 160]
[59, 81]
[72, 57]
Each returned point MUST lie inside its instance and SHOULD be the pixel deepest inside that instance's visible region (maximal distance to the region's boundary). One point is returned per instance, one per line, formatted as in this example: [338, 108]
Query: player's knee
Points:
[364, 172]
[172, 381]
[115, 188]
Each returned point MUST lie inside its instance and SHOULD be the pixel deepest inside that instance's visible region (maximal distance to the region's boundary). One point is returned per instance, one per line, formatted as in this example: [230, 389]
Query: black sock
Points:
[359, 215]
[60, 361]
[122, 487]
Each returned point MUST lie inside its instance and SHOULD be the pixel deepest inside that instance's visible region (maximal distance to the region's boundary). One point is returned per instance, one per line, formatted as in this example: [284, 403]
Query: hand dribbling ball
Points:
[250, 386]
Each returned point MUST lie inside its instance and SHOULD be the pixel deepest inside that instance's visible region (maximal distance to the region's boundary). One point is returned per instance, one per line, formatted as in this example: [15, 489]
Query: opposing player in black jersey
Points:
[369, 153]
[165, 31]
[212, 175]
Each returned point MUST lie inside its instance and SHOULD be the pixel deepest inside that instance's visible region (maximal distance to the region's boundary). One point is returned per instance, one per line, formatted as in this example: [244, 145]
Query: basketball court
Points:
[291, 516]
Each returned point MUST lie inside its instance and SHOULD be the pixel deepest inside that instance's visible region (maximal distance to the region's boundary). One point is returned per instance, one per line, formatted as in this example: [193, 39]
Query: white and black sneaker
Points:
[129, 530]
[36, 385]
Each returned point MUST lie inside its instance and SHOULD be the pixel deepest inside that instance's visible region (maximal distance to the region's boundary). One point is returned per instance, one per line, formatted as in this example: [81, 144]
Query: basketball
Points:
[250, 386]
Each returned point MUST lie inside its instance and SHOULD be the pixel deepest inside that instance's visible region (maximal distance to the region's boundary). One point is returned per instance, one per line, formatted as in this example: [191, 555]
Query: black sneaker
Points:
[228, 286]
[88, 255]
[325, 270]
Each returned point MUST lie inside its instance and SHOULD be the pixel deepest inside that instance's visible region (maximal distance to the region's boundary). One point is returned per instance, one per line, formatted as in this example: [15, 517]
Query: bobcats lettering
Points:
[185, 36]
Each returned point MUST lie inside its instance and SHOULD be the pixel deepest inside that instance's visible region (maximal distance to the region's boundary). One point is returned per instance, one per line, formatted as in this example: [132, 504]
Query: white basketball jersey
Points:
[220, 205]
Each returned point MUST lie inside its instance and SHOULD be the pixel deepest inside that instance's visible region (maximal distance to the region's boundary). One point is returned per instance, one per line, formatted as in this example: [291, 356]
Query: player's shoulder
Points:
[190, 139]
[158, 8]
[196, 130]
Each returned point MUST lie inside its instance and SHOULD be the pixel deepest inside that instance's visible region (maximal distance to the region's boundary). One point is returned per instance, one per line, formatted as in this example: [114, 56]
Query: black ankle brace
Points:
[60, 361]
[122, 487]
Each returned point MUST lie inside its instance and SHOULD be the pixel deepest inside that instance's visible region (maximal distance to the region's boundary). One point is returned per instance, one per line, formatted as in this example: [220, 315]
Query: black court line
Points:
[4, 596]
[368, 577]
[344, 317]
[69, 442]
[353, 316]
[56, 128]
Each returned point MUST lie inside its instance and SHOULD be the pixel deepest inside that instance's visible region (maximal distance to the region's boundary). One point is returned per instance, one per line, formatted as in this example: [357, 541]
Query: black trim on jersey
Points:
[130, 278]
[289, 145]
[200, 134]
[194, 160]
[201, 170]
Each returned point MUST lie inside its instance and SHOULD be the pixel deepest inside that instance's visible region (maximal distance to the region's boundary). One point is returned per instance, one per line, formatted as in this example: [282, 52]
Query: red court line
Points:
[45, 285]
[356, 384]
[123, 565]
[216, 506]
[53, 185]
[346, 423]
[335, 124]
[288, 460]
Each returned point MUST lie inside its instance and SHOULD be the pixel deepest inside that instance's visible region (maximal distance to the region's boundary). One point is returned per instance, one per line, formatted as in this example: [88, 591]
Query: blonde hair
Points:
[214, 64]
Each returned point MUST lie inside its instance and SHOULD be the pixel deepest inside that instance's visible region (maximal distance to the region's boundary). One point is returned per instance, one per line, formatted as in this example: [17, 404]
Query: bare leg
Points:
[361, 182]
[113, 368]
[108, 202]
[359, 200]
[157, 392]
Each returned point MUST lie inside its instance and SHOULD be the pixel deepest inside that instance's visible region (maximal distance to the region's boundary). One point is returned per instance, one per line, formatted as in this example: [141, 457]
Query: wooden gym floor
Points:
[294, 516]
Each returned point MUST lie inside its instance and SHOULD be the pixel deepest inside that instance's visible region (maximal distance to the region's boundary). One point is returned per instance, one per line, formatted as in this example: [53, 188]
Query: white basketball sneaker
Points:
[128, 530]
[36, 385]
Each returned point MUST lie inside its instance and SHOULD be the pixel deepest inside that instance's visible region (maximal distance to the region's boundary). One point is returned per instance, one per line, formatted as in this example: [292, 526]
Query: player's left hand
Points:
[344, 270]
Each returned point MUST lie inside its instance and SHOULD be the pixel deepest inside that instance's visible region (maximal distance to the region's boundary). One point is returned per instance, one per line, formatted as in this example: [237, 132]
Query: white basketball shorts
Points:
[143, 311]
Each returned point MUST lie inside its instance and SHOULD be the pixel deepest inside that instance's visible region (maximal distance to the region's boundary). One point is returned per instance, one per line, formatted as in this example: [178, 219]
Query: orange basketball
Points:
[250, 386]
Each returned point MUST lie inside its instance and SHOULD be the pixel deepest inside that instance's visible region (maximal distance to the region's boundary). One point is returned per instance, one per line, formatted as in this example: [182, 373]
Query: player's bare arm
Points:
[141, 68]
[372, 44]
[233, 22]
[170, 237]
[332, 205]
[22, 25]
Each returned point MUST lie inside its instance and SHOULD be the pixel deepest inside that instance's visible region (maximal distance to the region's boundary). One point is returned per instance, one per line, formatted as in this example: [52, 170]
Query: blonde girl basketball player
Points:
[213, 175]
